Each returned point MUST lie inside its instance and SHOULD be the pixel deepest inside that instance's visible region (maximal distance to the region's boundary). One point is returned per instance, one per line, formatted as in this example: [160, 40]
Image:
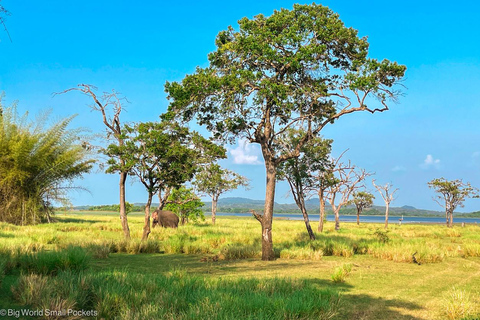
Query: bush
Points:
[382, 236]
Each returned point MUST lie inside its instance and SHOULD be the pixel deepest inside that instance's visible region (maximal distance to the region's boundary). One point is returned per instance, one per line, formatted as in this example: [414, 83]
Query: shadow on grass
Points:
[354, 306]
[75, 220]
[6, 235]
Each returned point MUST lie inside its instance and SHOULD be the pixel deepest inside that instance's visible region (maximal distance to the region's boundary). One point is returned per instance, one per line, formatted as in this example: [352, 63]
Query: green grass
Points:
[215, 272]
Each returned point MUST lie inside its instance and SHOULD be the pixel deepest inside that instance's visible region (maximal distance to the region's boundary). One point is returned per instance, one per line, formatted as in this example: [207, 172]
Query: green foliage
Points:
[37, 166]
[213, 180]
[129, 207]
[185, 203]
[452, 194]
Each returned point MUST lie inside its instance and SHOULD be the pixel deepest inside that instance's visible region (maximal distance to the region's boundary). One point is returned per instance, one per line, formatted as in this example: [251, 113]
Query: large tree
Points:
[296, 68]
[214, 180]
[38, 166]
[110, 106]
[451, 194]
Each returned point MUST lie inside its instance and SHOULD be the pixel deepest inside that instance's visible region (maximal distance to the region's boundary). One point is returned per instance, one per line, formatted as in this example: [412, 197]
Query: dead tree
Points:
[347, 178]
[111, 100]
[388, 196]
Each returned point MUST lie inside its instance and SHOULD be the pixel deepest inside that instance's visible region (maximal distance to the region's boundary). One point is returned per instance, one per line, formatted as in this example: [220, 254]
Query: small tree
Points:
[300, 172]
[452, 194]
[388, 196]
[362, 200]
[185, 203]
[213, 180]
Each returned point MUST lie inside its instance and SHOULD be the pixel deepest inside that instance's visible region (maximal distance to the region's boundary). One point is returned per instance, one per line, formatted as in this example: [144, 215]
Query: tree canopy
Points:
[451, 194]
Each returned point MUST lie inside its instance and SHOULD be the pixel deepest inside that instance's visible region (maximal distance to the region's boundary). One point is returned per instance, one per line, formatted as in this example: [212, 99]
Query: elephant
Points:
[166, 219]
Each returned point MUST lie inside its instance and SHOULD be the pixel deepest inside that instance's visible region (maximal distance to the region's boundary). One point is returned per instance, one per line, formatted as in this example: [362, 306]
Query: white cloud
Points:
[245, 153]
[430, 162]
[399, 169]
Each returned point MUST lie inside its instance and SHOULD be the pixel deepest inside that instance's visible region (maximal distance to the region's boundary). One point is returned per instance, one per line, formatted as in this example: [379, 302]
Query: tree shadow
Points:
[75, 220]
[6, 235]
[354, 305]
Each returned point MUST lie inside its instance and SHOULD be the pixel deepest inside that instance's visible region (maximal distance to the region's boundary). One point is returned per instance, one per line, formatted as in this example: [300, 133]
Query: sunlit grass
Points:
[381, 281]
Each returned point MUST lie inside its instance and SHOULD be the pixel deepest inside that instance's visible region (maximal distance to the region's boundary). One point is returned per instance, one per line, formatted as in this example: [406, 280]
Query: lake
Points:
[370, 219]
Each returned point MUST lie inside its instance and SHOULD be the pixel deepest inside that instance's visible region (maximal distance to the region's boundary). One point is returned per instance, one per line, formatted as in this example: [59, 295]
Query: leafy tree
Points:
[388, 196]
[300, 172]
[117, 163]
[362, 200]
[162, 156]
[185, 203]
[451, 194]
[213, 180]
[296, 68]
[37, 166]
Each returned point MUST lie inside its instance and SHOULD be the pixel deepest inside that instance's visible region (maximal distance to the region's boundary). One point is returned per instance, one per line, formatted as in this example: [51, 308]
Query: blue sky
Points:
[432, 132]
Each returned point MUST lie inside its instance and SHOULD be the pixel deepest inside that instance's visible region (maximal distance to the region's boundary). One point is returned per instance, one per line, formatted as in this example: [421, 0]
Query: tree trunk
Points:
[146, 225]
[307, 221]
[359, 212]
[123, 213]
[337, 219]
[450, 223]
[387, 205]
[214, 208]
[162, 201]
[322, 211]
[446, 216]
[267, 243]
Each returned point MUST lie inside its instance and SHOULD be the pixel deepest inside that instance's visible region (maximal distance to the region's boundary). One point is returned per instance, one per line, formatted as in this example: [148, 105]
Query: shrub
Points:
[382, 236]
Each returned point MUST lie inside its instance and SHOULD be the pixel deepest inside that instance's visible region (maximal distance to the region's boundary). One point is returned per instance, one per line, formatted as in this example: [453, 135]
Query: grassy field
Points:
[214, 272]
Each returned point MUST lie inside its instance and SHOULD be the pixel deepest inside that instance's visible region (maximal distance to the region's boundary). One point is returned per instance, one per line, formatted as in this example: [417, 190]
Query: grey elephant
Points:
[166, 219]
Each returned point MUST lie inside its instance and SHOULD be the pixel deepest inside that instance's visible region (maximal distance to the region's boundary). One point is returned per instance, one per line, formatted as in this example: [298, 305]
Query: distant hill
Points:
[242, 205]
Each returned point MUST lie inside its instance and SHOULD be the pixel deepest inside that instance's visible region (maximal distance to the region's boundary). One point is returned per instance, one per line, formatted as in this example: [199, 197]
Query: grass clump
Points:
[458, 305]
[341, 273]
[239, 251]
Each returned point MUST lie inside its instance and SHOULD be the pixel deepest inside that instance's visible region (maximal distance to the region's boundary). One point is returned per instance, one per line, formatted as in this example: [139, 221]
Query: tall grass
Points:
[45, 262]
[123, 295]
[239, 238]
